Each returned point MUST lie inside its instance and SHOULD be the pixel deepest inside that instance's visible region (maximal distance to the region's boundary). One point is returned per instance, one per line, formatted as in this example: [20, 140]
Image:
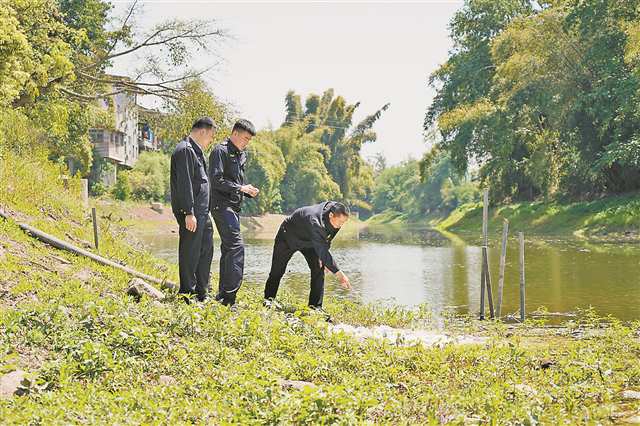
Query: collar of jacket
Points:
[232, 148]
[325, 219]
[195, 146]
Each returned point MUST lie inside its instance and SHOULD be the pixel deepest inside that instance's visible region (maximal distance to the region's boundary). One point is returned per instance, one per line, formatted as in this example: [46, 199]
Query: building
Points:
[119, 144]
[147, 138]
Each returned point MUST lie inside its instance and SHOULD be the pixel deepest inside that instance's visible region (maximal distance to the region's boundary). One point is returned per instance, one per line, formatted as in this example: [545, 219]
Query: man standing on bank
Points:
[310, 231]
[190, 205]
[228, 189]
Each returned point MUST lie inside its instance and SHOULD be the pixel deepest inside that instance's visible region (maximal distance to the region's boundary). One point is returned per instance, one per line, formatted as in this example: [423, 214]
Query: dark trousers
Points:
[195, 251]
[281, 255]
[231, 254]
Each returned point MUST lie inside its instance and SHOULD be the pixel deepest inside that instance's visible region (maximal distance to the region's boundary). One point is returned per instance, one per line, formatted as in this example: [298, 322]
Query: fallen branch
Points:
[63, 245]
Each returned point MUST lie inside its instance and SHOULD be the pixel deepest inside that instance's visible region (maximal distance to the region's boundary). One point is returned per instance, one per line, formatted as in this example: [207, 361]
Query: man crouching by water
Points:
[310, 231]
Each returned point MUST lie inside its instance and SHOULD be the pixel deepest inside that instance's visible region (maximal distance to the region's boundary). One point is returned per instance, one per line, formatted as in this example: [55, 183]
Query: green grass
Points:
[94, 356]
[612, 215]
[388, 217]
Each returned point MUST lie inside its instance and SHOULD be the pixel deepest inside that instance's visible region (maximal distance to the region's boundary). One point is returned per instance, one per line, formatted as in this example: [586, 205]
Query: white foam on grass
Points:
[406, 337]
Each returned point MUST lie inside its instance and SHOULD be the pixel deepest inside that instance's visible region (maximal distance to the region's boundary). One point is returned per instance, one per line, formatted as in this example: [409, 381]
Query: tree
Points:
[265, 170]
[553, 110]
[306, 179]
[332, 117]
[33, 49]
[84, 38]
[149, 179]
[196, 100]
[469, 122]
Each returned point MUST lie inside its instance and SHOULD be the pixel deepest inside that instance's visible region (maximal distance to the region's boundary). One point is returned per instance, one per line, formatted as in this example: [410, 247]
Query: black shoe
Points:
[204, 300]
[225, 301]
[320, 311]
[272, 304]
[186, 298]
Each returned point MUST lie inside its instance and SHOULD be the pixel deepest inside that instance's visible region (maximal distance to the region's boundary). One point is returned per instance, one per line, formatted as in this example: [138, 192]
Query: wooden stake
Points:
[485, 256]
[503, 259]
[485, 218]
[483, 278]
[522, 282]
[485, 238]
[95, 227]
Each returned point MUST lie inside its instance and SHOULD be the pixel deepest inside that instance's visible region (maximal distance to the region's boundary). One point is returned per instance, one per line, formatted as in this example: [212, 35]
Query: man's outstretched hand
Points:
[344, 280]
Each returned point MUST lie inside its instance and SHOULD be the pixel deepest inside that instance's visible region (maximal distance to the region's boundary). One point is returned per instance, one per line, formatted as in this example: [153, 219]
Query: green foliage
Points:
[149, 179]
[17, 133]
[332, 117]
[122, 189]
[306, 180]
[415, 189]
[396, 188]
[97, 188]
[96, 356]
[266, 168]
[197, 100]
[33, 49]
[615, 217]
[543, 100]
[66, 126]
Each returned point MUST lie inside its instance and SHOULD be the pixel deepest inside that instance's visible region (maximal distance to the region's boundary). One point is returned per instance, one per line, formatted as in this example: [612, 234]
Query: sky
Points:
[368, 52]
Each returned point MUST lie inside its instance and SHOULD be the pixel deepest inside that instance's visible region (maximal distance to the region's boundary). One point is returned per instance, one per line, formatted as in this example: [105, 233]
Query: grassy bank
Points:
[611, 217]
[94, 356]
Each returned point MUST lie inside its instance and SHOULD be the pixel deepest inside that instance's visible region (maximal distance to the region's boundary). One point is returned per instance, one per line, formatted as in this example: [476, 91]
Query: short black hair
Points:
[340, 209]
[204, 123]
[245, 126]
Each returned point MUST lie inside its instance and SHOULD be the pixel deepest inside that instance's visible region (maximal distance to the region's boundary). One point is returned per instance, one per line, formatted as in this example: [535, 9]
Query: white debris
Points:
[630, 394]
[404, 336]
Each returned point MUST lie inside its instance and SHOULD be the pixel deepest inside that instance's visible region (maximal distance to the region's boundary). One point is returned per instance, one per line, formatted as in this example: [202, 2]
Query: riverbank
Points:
[86, 352]
[612, 218]
[141, 218]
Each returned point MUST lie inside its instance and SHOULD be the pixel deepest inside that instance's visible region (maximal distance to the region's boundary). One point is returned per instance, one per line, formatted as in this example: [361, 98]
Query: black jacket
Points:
[309, 227]
[226, 174]
[189, 180]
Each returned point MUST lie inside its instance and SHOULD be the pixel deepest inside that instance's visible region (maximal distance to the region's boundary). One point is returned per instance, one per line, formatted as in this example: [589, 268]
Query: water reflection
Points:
[411, 266]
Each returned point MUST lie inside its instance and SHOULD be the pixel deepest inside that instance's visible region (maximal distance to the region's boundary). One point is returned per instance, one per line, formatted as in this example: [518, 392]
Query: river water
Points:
[409, 266]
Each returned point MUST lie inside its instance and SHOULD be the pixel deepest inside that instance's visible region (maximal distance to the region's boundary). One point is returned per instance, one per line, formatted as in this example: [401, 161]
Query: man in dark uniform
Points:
[227, 166]
[310, 231]
[190, 205]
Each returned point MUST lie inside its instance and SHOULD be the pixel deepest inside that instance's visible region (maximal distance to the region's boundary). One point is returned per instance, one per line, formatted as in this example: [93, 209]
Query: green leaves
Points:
[33, 50]
[544, 100]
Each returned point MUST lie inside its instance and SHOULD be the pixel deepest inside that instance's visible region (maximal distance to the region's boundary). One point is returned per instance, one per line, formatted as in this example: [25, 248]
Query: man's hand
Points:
[344, 281]
[250, 190]
[190, 222]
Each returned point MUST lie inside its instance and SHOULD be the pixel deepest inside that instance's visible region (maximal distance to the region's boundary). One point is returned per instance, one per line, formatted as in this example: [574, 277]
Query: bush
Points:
[96, 189]
[122, 188]
[149, 179]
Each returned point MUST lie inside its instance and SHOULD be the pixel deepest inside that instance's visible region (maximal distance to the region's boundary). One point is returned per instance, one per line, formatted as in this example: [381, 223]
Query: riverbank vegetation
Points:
[541, 97]
[537, 103]
[91, 354]
[87, 353]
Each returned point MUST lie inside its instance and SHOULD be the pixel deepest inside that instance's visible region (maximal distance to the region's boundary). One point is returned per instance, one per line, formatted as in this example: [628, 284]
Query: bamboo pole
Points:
[485, 256]
[485, 218]
[485, 239]
[63, 245]
[95, 228]
[483, 275]
[483, 278]
[522, 281]
[503, 259]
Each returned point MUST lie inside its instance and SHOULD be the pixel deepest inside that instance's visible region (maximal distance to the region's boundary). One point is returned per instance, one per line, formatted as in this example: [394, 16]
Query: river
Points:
[409, 266]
